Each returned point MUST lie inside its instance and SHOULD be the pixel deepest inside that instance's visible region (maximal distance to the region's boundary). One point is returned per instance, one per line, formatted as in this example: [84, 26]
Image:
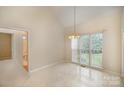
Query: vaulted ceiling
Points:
[65, 14]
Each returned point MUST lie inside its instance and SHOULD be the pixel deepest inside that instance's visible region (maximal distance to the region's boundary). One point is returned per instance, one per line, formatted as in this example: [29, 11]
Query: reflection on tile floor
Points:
[63, 75]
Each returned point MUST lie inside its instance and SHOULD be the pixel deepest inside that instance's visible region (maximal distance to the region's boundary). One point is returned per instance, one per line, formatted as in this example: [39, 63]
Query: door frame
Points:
[27, 49]
[13, 31]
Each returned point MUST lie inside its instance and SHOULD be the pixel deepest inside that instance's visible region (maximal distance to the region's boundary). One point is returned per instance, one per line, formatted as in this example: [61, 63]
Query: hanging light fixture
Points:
[74, 35]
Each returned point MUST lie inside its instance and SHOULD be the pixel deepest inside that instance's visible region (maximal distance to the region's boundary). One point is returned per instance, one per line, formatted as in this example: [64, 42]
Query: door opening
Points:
[88, 50]
[25, 51]
[91, 48]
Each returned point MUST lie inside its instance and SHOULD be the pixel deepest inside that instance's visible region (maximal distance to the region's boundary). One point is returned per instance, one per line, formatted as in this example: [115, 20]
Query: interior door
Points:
[84, 47]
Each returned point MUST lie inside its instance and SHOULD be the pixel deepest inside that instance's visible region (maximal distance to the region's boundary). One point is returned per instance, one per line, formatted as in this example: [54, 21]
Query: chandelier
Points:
[74, 35]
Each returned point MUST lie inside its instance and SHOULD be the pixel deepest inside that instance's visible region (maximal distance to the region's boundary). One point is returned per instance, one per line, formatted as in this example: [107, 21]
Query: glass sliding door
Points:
[88, 50]
[84, 49]
[96, 49]
[91, 49]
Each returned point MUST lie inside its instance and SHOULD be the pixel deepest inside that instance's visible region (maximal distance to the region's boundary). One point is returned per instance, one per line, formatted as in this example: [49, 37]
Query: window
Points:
[74, 47]
[5, 46]
[89, 49]
[96, 49]
[84, 49]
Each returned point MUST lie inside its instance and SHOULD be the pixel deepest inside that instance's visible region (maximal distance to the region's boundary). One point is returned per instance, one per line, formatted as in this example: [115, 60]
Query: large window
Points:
[84, 49]
[74, 47]
[96, 49]
[88, 49]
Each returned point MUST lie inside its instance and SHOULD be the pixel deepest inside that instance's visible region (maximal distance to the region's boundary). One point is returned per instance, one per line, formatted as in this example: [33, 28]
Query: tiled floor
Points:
[63, 74]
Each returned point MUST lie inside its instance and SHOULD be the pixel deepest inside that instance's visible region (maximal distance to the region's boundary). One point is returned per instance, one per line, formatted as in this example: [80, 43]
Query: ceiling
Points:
[65, 14]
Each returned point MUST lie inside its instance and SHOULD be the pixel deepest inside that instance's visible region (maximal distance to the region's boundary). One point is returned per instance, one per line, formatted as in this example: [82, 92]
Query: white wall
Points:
[122, 30]
[109, 21]
[46, 35]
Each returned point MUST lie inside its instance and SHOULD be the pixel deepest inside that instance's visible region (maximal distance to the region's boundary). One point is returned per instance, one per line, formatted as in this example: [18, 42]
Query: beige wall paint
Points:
[108, 21]
[45, 33]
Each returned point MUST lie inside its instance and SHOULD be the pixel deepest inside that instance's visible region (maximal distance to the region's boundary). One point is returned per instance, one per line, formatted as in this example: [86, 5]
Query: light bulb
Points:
[24, 37]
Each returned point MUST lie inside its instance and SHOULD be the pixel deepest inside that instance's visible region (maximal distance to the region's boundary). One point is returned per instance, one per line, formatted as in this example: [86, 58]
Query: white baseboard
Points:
[122, 75]
[65, 61]
[102, 69]
[46, 66]
[112, 72]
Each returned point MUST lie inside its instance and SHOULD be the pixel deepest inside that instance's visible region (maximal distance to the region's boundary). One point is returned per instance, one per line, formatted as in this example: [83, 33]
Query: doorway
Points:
[88, 50]
[25, 51]
[91, 50]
